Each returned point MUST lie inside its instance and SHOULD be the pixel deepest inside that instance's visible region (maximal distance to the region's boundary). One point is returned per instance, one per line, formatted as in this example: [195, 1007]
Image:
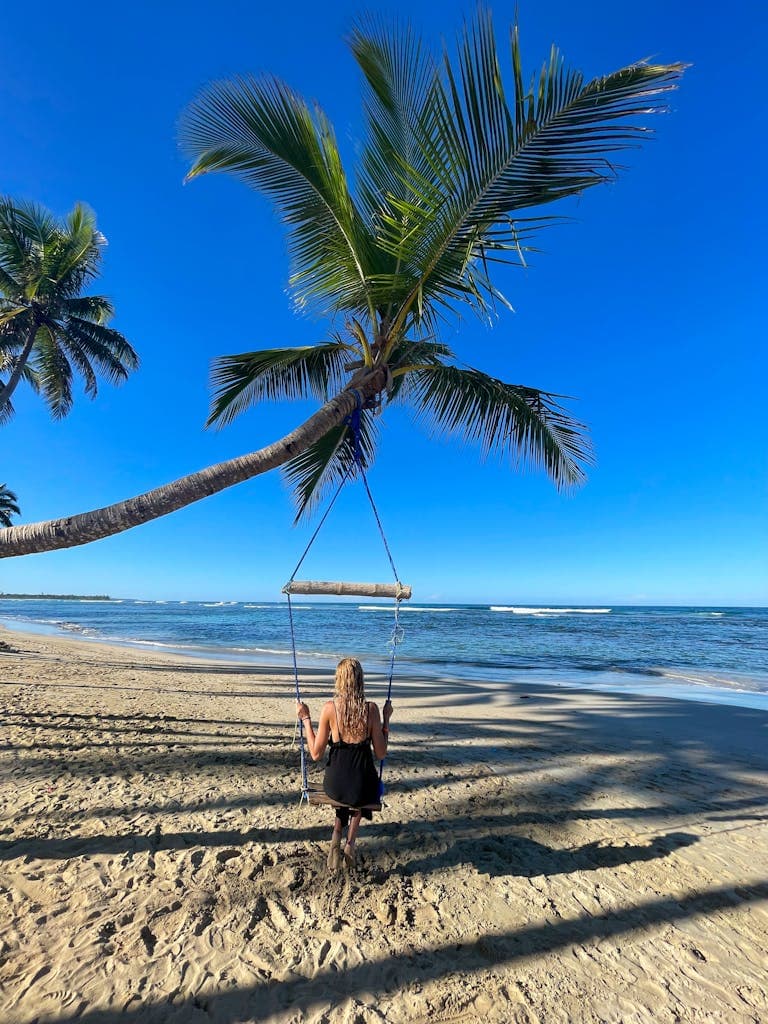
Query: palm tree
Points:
[48, 329]
[8, 506]
[450, 181]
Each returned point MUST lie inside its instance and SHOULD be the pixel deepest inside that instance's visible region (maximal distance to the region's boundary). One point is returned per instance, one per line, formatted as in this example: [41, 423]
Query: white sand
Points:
[545, 854]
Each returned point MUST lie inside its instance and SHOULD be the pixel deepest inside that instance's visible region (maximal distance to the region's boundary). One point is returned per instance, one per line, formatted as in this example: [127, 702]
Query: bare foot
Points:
[334, 854]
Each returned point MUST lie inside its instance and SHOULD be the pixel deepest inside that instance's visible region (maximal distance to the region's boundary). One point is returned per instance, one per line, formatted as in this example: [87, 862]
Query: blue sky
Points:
[648, 307]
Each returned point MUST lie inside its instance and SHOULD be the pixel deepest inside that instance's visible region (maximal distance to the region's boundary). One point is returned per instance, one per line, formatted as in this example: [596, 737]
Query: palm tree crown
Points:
[48, 329]
[453, 169]
[8, 506]
[450, 170]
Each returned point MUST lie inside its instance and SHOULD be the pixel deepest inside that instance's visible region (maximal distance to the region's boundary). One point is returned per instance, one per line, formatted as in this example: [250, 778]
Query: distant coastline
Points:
[56, 597]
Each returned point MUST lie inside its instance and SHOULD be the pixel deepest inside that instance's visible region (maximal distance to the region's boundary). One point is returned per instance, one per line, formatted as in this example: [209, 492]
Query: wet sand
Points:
[544, 855]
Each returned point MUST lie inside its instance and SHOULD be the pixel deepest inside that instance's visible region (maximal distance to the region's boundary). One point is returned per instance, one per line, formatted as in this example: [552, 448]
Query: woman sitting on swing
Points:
[350, 724]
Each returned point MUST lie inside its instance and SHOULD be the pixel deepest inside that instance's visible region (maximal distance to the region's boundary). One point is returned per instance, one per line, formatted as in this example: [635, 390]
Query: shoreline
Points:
[545, 854]
[746, 741]
[677, 684]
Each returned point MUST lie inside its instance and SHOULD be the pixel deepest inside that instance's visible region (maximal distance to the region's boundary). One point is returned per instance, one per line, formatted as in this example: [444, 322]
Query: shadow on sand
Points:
[673, 756]
[262, 1001]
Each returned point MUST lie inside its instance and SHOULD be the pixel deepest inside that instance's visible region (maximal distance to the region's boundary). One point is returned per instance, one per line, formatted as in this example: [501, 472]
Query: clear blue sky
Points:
[649, 308]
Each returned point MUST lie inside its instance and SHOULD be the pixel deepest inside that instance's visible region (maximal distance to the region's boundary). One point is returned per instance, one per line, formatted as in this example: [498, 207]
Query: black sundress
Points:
[350, 775]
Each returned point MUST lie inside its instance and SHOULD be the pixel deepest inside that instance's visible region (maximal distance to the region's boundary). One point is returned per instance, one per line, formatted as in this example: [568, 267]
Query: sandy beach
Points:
[544, 854]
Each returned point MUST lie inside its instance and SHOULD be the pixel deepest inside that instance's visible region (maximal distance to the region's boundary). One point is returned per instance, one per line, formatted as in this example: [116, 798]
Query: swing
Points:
[397, 590]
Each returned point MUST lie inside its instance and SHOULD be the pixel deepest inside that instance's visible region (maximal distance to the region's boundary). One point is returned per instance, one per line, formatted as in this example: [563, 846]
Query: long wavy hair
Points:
[350, 697]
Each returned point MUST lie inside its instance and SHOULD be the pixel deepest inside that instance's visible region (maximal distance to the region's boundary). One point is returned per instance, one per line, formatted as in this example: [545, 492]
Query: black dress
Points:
[350, 775]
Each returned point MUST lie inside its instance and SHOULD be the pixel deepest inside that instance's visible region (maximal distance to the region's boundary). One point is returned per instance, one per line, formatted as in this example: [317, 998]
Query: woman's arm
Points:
[379, 732]
[316, 742]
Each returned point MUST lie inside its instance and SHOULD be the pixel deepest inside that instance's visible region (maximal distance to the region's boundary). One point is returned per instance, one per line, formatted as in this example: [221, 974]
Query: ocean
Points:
[707, 654]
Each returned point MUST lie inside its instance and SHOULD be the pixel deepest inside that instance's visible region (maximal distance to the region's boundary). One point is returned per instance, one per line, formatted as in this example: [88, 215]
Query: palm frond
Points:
[54, 373]
[7, 410]
[265, 133]
[394, 171]
[9, 285]
[36, 225]
[29, 375]
[7, 363]
[399, 73]
[8, 506]
[490, 159]
[9, 311]
[410, 355]
[15, 245]
[529, 426]
[96, 308]
[82, 364]
[112, 354]
[31, 235]
[9, 499]
[14, 333]
[77, 257]
[240, 381]
[325, 464]
[408, 351]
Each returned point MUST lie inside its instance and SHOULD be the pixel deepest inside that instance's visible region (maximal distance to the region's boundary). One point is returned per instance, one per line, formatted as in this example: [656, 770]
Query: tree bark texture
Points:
[343, 588]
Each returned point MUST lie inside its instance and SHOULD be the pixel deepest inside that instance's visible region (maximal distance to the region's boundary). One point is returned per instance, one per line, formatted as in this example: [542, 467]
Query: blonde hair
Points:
[350, 694]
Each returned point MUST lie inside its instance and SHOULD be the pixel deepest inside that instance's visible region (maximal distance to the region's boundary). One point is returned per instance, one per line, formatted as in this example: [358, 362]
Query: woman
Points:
[351, 725]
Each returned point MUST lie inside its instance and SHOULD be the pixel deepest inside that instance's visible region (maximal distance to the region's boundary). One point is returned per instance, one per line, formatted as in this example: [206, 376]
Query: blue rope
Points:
[397, 636]
[304, 781]
[378, 522]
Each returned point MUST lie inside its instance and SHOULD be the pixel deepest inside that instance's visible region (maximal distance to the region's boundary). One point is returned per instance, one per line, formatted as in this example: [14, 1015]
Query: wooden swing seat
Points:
[343, 589]
[317, 797]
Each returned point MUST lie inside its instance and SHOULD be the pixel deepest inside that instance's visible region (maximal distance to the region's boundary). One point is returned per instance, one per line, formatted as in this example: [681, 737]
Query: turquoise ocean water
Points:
[709, 654]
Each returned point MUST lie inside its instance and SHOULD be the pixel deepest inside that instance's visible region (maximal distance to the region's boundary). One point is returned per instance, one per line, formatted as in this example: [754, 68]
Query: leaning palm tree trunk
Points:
[71, 531]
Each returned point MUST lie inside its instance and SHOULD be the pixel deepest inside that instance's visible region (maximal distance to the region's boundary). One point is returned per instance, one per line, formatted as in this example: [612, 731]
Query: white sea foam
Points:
[143, 643]
[740, 682]
[548, 611]
[403, 608]
[261, 650]
[75, 627]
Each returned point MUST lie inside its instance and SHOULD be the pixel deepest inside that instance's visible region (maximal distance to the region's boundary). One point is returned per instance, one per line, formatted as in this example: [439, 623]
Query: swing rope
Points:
[397, 636]
[353, 422]
[302, 750]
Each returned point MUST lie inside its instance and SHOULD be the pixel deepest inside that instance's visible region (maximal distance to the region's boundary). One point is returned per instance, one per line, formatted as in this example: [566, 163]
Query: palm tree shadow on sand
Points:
[521, 856]
[264, 1000]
